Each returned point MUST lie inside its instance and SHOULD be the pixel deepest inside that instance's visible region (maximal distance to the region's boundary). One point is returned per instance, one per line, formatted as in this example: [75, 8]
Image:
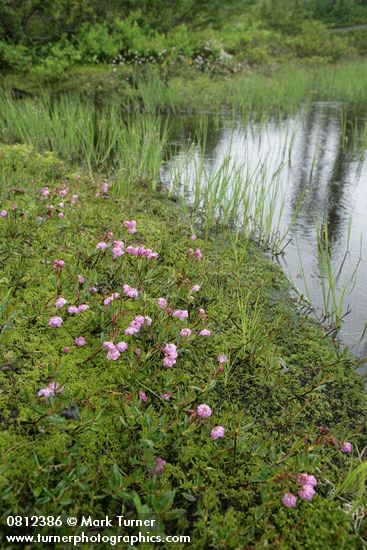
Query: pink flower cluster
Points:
[136, 325]
[170, 355]
[162, 302]
[130, 292]
[3, 213]
[107, 301]
[57, 265]
[140, 250]
[55, 322]
[198, 255]
[74, 310]
[307, 491]
[347, 447]
[217, 432]
[118, 249]
[49, 391]
[80, 341]
[101, 246]
[142, 396]
[159, 468]
[204, 411]
[130, 226]
[114, 351]
[60, 302]
[180, 314]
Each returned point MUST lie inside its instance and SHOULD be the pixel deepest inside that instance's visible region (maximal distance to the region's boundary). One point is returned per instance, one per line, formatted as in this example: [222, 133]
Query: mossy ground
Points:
[287, 397]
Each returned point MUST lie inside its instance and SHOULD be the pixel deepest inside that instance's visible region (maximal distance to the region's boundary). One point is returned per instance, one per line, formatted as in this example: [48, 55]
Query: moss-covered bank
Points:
[286, 396]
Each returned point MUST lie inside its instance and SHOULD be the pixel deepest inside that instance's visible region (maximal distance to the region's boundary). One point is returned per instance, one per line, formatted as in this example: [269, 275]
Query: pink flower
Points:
[162, 302]
[55, 322]
[166, 396]
[198, 254]
[49, 391]
[101, 246]
[193, 237]
[60, 215]
[73, 310]
[60, 302]
[122, 346]
[169, 361]
[64, 192]
[107, 301]
[92, 290]
[130, 225]
[170, 352]
[307, 492]
[204, 411]
[347, 447]
[58, 265]
[289, 500]
[141, 251]
[185, 332]
[148, 321]
[222, 359]
[81, 279]
[74, 198]
[14, 207]
[118, 249]
[80, 341]
[109, 345]
[45, 191]
[307, 479]
[61, 205]
[83, 307]
[105, 187]
[202, 312]
[196, 288]
[159, 469]
[113, 354]
[67, 349]
[143, 396]
[137, 352]
[3, 213]
[217, 432]
[135, 325]
[131, 292]
[180, 314]
[205, 332]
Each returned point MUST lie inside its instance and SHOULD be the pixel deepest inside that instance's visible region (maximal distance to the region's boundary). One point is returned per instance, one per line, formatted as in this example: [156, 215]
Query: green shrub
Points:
[14, 57]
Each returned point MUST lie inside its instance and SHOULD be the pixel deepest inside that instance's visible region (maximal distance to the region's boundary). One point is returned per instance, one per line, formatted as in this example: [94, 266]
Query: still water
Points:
[319, 158]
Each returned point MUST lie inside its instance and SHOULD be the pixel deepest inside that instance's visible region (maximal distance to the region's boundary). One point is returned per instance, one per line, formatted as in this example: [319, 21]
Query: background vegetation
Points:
[48, 38]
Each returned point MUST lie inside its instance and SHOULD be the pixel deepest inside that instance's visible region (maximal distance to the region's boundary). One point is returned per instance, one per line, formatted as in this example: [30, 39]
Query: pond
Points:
[314, 168]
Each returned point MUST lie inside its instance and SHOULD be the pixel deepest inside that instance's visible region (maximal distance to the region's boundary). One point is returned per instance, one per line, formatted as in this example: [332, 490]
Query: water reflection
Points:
[319, 156]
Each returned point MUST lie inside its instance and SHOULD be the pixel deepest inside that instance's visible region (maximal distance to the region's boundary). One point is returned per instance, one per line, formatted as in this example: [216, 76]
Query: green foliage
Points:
[282, 382]
[52, 37]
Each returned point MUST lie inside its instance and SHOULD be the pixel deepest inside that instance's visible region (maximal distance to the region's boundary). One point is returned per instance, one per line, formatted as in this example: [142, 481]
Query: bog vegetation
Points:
[153, 361]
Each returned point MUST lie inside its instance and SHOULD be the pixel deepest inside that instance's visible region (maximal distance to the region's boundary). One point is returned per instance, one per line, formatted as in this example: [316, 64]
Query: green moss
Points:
[283, 382]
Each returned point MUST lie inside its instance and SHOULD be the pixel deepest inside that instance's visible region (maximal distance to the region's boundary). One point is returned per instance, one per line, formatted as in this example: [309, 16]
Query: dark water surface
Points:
[319, 154]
